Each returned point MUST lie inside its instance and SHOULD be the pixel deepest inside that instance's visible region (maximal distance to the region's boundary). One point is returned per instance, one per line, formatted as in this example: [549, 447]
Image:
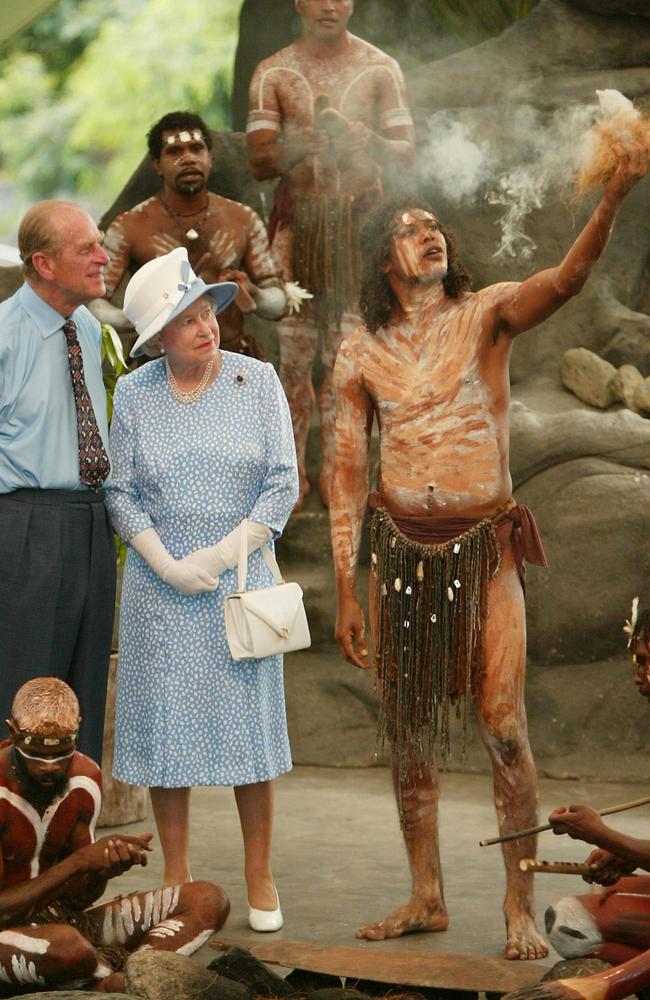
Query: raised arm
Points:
[537, 298]
[349, 498]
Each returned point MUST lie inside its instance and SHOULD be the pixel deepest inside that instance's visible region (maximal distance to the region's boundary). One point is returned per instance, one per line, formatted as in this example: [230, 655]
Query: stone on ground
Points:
[588, 377]
[165, 975]
[240, 965]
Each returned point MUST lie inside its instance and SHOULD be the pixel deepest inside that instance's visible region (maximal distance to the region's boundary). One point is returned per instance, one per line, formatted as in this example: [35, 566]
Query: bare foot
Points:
[414, 916]
[524, 940]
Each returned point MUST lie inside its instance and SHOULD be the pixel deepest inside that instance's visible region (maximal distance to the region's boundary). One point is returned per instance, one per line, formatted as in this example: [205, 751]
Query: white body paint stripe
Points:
[262, 126]
[394, 118]
[191, 946]
[25, 972]
[283, 69]
[41, 825]
[22, 942]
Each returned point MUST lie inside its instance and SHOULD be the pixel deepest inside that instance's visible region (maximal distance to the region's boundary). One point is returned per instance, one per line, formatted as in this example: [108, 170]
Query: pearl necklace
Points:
[192, 394]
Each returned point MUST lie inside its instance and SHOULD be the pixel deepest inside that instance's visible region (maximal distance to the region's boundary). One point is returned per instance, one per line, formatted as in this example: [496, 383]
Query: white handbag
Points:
[264, 622]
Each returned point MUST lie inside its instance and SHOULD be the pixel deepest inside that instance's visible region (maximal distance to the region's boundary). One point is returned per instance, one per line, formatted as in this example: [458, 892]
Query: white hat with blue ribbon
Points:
[162, 289]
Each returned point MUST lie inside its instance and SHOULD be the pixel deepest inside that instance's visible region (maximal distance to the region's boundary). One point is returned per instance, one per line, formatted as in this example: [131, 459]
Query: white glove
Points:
[187, 578]
[225, 554]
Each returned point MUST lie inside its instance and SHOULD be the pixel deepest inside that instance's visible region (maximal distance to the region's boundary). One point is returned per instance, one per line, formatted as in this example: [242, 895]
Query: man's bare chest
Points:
[352, 90]
[423, 378]
[32, 842]
[221, 241]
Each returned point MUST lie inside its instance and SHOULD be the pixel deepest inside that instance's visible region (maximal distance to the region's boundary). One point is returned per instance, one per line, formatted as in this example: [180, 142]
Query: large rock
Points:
[71, 995]
[624, 384]
[239, 965]
[570, 967]
[586, 475]
[165, 975]
[641, 397]
[593, 517]
[609, 8]
[629, 347]
[588, 377]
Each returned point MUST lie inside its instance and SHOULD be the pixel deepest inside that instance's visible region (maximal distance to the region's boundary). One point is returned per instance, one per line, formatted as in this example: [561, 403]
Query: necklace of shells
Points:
[190, 395]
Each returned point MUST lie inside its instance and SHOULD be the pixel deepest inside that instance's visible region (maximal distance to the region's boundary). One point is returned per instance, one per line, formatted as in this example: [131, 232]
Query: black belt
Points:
[54, 497]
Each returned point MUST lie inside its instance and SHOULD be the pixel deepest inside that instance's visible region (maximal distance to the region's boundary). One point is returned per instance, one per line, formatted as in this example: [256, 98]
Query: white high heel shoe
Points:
[265, 921]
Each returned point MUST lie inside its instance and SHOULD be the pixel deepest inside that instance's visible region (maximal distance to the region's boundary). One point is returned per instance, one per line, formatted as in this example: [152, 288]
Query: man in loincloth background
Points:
[325, 114]
[447, 541]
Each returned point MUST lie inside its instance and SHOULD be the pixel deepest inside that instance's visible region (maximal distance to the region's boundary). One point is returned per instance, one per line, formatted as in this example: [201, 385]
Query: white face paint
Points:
[45, 760]
[418, 250]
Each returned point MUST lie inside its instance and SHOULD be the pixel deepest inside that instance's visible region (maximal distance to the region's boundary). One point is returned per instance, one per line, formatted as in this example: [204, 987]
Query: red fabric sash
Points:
[511, 521]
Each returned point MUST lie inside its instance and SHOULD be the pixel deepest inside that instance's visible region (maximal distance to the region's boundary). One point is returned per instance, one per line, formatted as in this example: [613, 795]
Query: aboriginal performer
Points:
[52, 869]
[325, 115]
[448, 540]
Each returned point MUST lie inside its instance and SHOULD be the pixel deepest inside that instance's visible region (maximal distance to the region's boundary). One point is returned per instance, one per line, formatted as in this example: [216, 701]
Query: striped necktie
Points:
[94, 465]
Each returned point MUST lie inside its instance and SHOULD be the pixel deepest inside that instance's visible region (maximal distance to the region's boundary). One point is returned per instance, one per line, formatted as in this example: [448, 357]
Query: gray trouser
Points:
[57, 599]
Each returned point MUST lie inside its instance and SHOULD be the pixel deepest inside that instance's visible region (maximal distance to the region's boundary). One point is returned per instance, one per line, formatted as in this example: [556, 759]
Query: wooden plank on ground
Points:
[392, 965]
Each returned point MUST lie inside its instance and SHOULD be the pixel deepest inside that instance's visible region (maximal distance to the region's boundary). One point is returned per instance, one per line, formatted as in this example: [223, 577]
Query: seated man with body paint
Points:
[52, 870]
[613, 925]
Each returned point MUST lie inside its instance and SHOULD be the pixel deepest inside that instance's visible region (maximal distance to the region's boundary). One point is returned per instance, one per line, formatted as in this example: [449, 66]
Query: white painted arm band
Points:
[270, 302]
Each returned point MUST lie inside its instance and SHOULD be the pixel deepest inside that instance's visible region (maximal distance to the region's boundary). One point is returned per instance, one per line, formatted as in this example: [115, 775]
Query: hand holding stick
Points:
[531, 831]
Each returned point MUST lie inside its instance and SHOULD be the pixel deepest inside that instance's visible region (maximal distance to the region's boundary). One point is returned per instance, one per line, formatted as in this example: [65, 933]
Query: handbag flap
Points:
[276, 607]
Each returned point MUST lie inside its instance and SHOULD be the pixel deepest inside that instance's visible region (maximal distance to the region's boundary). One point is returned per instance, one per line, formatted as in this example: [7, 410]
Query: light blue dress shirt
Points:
[39, 446]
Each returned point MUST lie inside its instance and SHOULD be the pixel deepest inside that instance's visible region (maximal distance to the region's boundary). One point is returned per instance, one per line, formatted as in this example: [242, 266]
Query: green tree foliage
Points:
[79, 90]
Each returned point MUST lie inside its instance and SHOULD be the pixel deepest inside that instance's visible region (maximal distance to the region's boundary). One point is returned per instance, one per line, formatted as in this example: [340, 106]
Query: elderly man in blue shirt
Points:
[57, 581]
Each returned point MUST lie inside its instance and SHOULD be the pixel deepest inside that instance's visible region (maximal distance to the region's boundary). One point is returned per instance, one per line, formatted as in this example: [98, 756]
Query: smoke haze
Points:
[513, 157]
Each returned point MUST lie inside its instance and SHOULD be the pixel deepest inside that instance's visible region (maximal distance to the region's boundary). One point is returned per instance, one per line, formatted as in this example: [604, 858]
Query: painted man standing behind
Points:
[225, 241]
[325, 114]
[448, 540]
[57, 582]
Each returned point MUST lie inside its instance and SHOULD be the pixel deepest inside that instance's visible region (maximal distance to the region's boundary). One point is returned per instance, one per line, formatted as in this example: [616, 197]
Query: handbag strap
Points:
[267, 555]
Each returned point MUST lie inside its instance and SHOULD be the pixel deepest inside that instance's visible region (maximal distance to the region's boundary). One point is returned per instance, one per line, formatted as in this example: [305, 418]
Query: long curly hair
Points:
[377, 297]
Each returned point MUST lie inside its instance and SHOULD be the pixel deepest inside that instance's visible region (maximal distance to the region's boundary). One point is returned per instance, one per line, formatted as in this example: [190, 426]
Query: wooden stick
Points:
[547, 826]
[555, 867]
